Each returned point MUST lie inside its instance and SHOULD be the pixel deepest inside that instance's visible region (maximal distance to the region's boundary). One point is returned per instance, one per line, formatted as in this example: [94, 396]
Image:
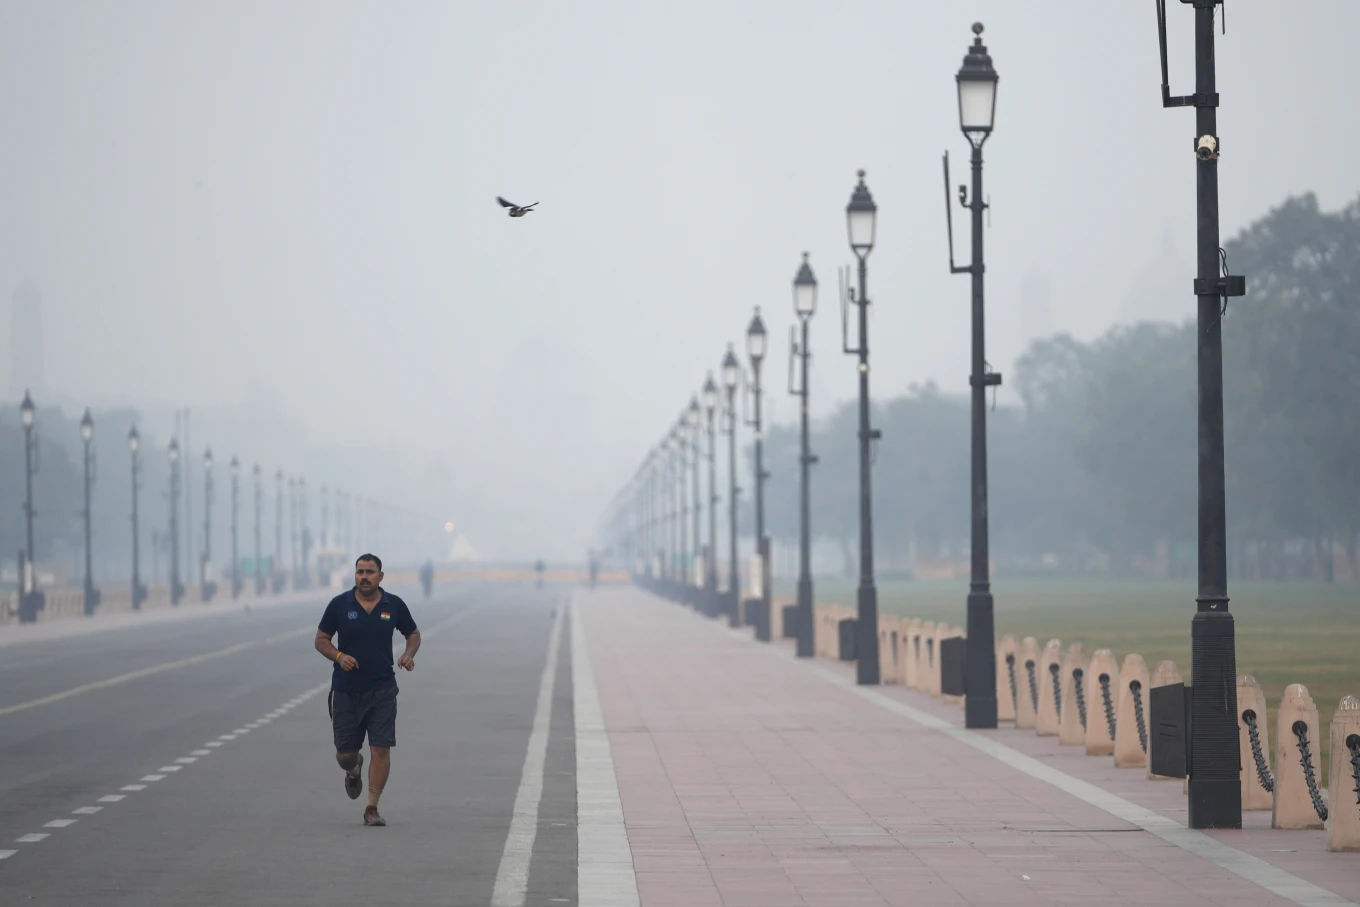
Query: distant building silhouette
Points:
[26, 342]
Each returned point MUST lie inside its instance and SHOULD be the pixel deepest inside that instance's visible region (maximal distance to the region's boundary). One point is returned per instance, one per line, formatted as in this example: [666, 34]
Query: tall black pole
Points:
[681, 511]
[698, 507]
[134, 447]
[1215, 793]
[29, 582]
[278, 525]
[805, 303]
[733, 580]
[87, 436]
[235, 527]
[711, 562]
[176, 588]
[207, 587]
[866, 645]
[755, 348]
[259, 551]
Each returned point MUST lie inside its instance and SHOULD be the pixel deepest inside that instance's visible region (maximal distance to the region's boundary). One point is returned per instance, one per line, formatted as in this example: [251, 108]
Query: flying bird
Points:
[515, 210]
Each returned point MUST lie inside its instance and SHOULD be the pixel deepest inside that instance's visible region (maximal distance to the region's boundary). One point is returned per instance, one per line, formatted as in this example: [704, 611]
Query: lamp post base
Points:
[804, 612]
[979, 664]
[866, 642]
[1215, 803]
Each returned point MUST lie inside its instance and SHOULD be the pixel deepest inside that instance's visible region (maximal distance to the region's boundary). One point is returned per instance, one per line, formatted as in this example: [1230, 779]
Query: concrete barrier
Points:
[1166, 673]
[1130, 733]
[1297, 762]
[1257, 780]
[909, 652]
[1073, 717]
[1027, 706]
[1008, 677]
[1050, 689]
[1102, 692]
[887, 648]
[942, 632]
[1343, 826]
[926, 664]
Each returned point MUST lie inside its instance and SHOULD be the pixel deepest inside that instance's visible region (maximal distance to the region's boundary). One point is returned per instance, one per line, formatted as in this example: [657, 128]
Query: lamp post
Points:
[976, 81]
[205, 572]
[87, 438]
[28, 605]
[259, 554]
[276, 573]
[692, 420]
[755, 351]
[731, 371]
[134, 442]
[292, 527]
[861, 220]
[235, 527]
[711, 562]
[804, 306]
[176, 587]
[1215, 793]
[681, 487]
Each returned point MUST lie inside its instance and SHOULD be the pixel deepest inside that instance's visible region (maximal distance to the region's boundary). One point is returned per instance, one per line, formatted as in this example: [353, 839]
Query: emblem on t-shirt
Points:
[385, 615]
[354, 615]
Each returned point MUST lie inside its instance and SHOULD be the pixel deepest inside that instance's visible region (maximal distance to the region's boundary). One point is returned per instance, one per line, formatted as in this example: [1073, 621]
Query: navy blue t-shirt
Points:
[367, 636]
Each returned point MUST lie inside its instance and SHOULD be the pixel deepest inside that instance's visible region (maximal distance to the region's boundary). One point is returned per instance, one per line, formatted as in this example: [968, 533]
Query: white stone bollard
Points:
[1102, 697]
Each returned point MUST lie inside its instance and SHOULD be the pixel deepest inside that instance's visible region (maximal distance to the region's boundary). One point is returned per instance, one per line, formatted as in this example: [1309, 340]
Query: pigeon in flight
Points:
[515, 210]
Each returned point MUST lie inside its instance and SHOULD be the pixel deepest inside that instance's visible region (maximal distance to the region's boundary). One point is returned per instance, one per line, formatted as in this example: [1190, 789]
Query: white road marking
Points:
[169, 768]
[187, 760]
[512, 876]
[6, 854]
[30, 839]
[227, 737]
[133, 787]
[605, 875]
[241, 730]
[147, 672]
[112, 798]
[60, 823]
[213, 743]
[86, 810]
[202, 752]
[152, 777]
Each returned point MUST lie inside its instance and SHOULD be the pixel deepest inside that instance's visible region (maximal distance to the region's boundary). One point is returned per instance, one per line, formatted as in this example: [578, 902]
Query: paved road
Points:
[195, 759]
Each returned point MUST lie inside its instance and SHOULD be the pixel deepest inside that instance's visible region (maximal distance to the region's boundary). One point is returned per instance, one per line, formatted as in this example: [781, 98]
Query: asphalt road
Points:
[195, 759]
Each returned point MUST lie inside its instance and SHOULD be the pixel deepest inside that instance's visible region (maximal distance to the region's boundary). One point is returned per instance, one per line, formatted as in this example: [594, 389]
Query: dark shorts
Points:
[353, 714]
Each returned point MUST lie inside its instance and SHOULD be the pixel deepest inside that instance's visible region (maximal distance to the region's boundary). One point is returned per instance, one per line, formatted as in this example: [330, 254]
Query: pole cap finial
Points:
[977, 28]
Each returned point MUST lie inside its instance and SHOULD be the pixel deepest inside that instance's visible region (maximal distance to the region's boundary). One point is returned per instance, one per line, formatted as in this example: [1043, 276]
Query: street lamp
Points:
[292, 527]
[692, 423]
[710, 393]
[235, 519]
[755, 350]
[30, 600]
[680, 486]
[259, 555]
[87, 438]
[804, 306]
[276, 574]
[977, 110]
[176, 588]
[731, 372]
[861, 217]
[205, 571]
[1215, 793]
[134, 443]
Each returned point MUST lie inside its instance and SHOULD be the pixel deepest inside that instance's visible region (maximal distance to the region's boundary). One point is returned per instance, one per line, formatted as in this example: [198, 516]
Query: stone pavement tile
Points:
[773, 784]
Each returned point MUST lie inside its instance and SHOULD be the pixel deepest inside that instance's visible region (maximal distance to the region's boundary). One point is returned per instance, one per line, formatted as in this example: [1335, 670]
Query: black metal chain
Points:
[1353, 744]
[1033, 685]
[1136, 687]
[1080, 689]
[1010, 671]
[930, 651]
[1300, 730]
[1109, 704]
[1057, 688]
[1262, 770]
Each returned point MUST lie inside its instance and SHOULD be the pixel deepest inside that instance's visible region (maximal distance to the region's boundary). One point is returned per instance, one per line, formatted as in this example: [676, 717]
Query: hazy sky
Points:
[299, 196]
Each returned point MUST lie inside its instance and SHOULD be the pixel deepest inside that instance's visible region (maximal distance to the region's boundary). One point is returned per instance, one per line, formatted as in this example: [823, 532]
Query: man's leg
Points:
[382, 736]
[349, 740]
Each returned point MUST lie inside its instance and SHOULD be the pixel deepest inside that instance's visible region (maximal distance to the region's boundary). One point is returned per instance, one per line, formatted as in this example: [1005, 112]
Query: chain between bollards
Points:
[1057, 688]
[1010, 672]
[1109, 704]
[1033, 686]
[1353, 744]
[1300, 730]
[1136, 688]
[1080, 689]
[1262, 770]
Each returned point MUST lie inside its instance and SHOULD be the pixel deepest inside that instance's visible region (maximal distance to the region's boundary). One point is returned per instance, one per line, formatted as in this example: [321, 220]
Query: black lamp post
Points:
[711, 562]
[277, 575]
[292, 527]
[681, 486]
[259, 552]
[693, 427]
[235, 527]
[176, 587]
[755, 351]
[134, 442]
[1215, 793]
[977, 112]
[87, 437]
[861, 219]
[731, 371]
[804, 306]
[205, 570]
[29, 597]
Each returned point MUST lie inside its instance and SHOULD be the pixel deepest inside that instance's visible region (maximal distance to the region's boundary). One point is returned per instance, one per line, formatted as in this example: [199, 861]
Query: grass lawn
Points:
[1291, 632]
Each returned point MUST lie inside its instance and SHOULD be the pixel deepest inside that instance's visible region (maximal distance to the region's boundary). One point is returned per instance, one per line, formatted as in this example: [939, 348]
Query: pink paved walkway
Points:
[748, 779]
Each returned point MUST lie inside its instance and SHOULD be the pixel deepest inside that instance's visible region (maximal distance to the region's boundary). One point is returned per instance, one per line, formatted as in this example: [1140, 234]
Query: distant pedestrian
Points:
[363, 698]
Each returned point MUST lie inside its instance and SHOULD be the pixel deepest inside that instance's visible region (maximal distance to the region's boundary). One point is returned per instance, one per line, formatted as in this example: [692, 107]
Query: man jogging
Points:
[363, 695]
